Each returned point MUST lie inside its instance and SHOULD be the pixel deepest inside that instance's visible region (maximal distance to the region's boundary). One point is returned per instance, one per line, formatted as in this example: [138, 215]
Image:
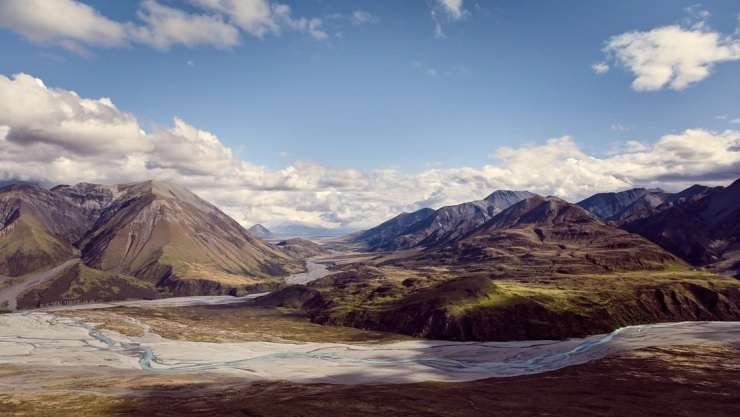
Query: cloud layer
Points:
[76, 26]
[56, 136]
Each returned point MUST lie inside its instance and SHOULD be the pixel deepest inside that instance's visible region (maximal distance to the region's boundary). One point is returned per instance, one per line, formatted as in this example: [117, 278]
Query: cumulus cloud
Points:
[77, 26]
[35, 114]
[54, 135]
[671, 56]
[68, 23]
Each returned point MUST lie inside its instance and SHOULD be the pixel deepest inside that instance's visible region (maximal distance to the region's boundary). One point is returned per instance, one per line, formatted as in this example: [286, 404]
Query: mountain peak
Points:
[260, 231]
[540, 210]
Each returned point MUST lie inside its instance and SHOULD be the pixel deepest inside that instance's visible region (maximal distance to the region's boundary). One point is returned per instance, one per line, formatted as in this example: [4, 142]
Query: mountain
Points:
[702, 227]
[166, 235]
[425, 228]
[133, 237]
[617, 206]
[260, 231]
[541, 269]
[385, 234]
[627, 206]
[37, 229]
[547, 234]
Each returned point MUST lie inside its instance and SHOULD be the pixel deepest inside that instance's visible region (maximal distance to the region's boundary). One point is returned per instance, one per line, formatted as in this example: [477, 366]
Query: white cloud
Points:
[77, 26]
[52, 134]
[671, 56]
[259, 17]
[735, 121]
[36, 114]
[252, 16]
[451, 9]
[600, 67]
[166, 26]
[454, 8]
[67, 23]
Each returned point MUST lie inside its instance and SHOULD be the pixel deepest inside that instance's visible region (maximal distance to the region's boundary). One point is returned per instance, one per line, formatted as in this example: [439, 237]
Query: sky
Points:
[341, 114]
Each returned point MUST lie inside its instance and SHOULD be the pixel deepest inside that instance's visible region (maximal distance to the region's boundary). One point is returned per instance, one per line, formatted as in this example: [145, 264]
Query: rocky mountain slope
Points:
[157, 233]
[637, 203]
[547, 234]
[703, 229]
[37, 229]
[614, 207]
[170, 237]
[427, 228]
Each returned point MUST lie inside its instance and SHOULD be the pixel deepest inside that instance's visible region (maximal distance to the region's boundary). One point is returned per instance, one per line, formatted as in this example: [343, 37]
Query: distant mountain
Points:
[615, 207]
[627, 206]
[701, 226]
[260, 231]
[547, 234]
[140, 235]
[385, 234]
[425, 228]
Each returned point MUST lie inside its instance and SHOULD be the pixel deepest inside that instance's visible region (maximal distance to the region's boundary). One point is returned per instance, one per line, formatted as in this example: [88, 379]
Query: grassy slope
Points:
[81, 284]
[26, 246]
[474, 306]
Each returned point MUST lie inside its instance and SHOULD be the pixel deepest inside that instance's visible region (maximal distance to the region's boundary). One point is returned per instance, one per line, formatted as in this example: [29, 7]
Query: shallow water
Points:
[42, 339]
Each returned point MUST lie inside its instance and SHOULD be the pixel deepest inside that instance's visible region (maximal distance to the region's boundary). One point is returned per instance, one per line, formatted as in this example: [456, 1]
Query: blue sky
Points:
[509, 73]
[389, 92]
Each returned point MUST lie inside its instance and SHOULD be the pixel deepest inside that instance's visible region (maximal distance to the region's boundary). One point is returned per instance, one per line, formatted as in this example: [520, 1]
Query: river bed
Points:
[43, 339]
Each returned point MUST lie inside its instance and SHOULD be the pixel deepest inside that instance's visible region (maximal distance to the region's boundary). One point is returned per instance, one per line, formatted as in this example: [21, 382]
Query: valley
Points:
[515, 286]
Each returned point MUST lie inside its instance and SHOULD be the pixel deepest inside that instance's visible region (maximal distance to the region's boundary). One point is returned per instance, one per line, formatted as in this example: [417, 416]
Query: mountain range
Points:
[155, 234]
[543, 268]
[428, 228]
